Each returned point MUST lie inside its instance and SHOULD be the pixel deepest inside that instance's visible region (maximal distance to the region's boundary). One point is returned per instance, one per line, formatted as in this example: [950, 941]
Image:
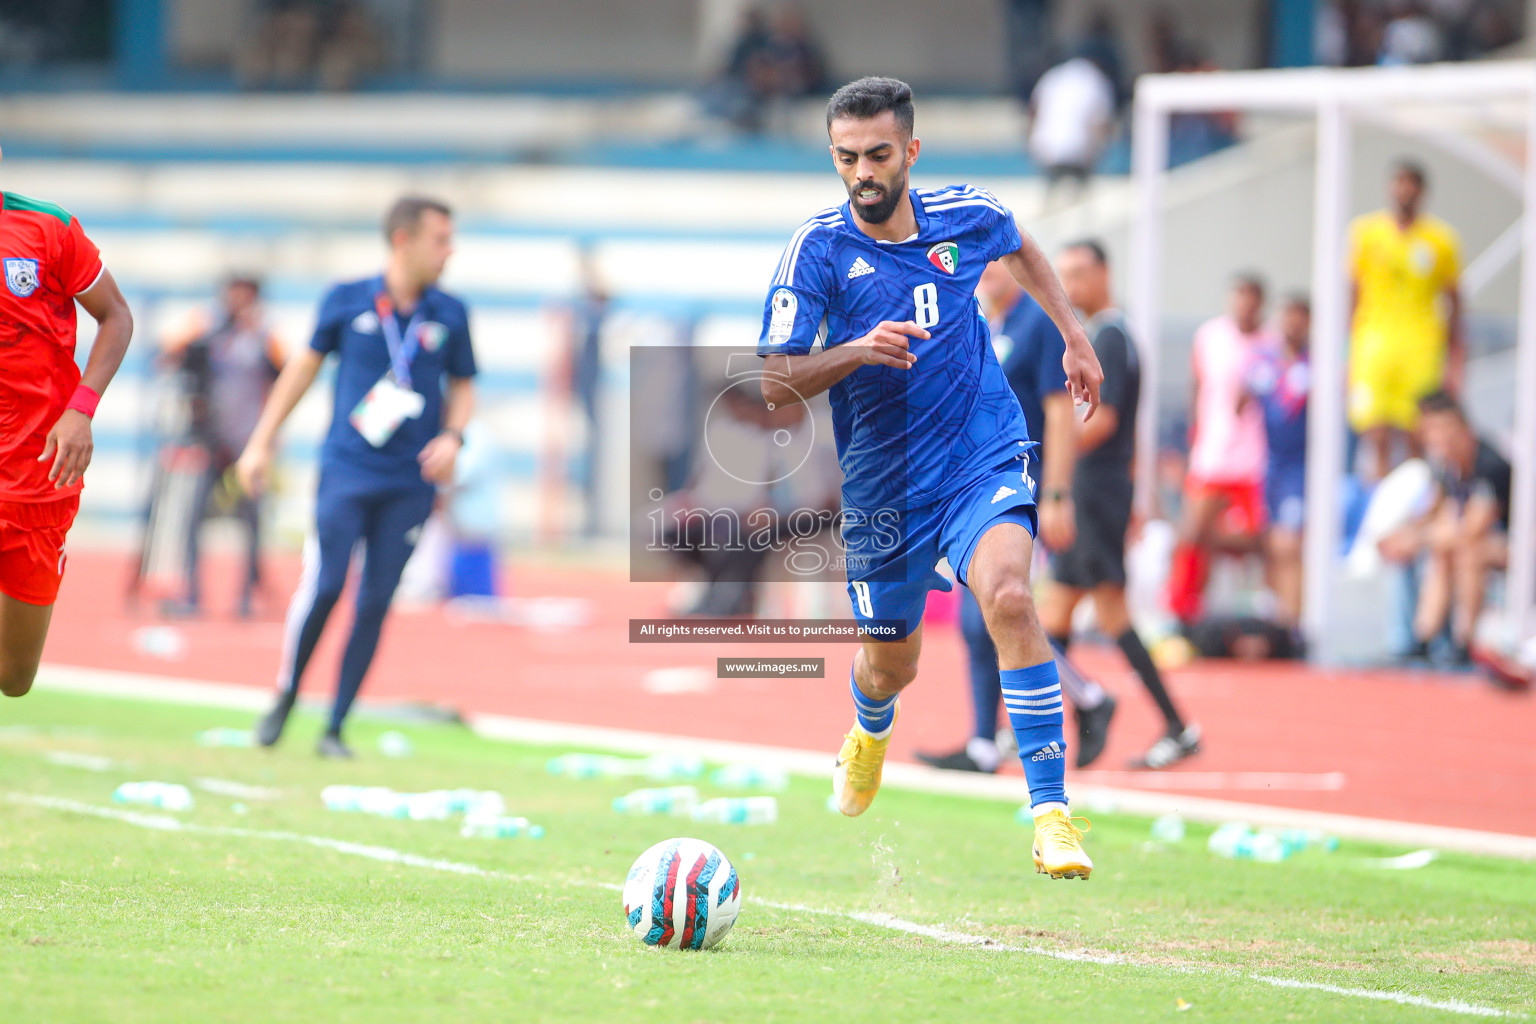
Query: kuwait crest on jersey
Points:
[945, 256]
[21, 277]
[432, 335]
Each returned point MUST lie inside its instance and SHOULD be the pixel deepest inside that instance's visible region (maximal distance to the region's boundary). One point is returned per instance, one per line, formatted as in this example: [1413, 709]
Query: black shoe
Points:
[1093, 731]
[183, 609]
[331, 746]
[959, 761]
[270, 728]
[1170, 749]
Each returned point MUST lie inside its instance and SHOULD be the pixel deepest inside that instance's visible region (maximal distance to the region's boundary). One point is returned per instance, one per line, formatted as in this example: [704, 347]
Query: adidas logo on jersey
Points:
[1050, 753]
[859, 269]
[1002, 492]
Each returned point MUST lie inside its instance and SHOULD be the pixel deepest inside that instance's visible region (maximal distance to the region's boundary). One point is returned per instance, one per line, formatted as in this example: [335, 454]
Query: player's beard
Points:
[881, 211]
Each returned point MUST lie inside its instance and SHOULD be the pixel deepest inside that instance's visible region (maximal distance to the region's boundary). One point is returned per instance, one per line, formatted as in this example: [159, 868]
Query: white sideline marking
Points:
[166, 823]
[73, 759]
[818, 764]
[388, 855]
[1449, 1005]
[229, 787]
[1262, 781]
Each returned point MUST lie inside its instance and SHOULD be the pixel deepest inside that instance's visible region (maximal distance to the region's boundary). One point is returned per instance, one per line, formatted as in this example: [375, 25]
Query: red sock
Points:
[1186, 581]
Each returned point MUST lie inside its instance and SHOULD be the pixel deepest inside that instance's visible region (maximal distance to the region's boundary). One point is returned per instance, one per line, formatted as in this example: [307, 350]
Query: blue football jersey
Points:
[349, 326]
[906, 438]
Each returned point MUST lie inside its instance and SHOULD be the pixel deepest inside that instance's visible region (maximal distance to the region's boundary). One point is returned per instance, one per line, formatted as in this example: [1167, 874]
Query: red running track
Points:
[1444, 750]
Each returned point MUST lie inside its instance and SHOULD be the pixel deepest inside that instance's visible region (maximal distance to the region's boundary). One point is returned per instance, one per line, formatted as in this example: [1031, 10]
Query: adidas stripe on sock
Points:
[1033, 698]
[875, 715]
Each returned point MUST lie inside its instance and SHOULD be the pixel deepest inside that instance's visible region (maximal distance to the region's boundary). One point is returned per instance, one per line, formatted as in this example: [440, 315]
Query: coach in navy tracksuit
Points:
[395, 433]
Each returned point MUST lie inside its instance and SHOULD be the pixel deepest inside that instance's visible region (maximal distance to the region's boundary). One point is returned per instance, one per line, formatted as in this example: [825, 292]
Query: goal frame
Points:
[1338, 98]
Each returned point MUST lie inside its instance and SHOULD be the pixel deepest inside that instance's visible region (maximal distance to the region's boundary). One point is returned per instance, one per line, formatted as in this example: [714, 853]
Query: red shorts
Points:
[32, 547]
[1244, 512]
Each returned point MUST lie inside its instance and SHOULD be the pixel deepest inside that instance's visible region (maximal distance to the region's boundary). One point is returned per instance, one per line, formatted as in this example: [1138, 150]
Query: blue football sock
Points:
[875, 715]
[1033, 698]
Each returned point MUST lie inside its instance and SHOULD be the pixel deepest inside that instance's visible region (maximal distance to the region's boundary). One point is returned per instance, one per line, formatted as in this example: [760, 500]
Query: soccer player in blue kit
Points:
[395, 433]
[930, 437]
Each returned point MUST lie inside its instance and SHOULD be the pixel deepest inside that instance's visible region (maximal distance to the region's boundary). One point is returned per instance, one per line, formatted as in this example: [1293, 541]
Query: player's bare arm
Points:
[1058, 525]
[1455, 341]
[438, 457]
[1091, 435]
[69, 443]
[790, 379]
[1030, 267]
[256, 461]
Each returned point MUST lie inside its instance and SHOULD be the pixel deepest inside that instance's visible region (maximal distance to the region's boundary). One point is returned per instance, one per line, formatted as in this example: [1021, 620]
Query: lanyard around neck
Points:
[401, 349]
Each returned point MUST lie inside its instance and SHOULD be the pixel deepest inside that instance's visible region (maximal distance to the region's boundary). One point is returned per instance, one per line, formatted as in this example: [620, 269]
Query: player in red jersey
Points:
[46, 406]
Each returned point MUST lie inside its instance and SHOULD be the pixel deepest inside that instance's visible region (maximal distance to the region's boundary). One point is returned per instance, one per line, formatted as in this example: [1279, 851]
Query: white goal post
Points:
[1338, 98]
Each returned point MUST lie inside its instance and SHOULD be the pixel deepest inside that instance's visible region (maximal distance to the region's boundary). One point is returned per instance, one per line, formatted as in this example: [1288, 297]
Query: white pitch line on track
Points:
[888, 922]
[818, 764]
[1252, 781]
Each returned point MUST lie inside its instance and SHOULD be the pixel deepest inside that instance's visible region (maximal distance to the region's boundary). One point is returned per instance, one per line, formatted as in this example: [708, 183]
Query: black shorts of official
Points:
[1103, 514]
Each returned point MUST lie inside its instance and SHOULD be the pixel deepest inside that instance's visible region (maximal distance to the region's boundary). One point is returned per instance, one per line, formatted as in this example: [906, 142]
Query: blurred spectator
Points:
[1454, 19]
[793, 56]
[1224, 488]
[774, 59]
[297, 44]
[1030, 43]
[1363, 32]
[1164, 50]
[588, 318]
[1493, 27]
[1192, 135]
[1280, 382]
[1409, 37]
[1101, 44]
[351, 46]
[279, 51]
[1071, 113]
[229, 359]
[1330, 33]
[64, 32]
[1406, 333]
[1462, 539]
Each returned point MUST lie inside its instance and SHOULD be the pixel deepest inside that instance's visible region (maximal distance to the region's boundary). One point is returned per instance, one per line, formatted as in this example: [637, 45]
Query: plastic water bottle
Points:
[395, 744]
[662, 800]
[433, 806]
[739, 810]
[590, 766]
[476, 802]
[496, 826]
[1228, 839]
[225, 737]
[1236, 841]
[342, 798]
[159, 642]
[669, 767]
[751, 776]
[1168, 829]
[171, 796]
[1297, 839]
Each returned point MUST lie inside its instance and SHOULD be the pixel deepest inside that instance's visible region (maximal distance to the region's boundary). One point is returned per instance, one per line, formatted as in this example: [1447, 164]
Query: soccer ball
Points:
[683, 894]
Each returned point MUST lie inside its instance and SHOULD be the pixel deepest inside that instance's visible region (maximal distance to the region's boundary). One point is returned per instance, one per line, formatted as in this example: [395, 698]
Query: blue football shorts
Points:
[892, 554]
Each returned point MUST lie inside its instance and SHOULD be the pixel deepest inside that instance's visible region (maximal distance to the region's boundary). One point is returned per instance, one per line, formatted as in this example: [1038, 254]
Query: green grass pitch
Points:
[245, 918]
